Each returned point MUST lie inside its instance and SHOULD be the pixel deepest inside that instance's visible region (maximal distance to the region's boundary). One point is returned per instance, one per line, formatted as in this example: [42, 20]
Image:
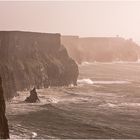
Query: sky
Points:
[83, 18]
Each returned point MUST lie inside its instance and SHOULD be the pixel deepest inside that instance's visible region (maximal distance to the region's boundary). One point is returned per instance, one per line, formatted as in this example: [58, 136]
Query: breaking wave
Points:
[89, 81]
[112, 105]
[85, 63]
[85, 81]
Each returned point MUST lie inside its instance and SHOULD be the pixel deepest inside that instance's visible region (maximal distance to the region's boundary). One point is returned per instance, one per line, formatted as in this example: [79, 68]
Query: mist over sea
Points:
[105, 104]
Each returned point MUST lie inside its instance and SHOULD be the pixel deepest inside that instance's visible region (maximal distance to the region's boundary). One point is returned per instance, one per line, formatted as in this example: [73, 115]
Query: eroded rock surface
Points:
[4, 131]
[34, 59]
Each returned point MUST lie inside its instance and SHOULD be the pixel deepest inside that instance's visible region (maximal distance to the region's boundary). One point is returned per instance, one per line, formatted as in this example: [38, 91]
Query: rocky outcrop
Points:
[4, 131]
[33, 98]
[101, 49]
[34, 59]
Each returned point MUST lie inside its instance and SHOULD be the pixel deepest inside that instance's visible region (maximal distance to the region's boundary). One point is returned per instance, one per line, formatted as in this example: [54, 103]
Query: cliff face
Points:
[102, 49]
[34, 59]
[73, 46]
[4, 131]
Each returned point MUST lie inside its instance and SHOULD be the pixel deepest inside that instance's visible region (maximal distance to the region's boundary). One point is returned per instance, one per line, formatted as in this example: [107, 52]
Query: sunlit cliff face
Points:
[92, 18]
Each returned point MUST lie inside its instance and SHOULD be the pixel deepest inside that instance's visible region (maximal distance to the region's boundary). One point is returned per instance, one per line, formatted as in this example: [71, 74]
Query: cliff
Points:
[73, 46]
[101, 49]
[4, 131]
[34, 59]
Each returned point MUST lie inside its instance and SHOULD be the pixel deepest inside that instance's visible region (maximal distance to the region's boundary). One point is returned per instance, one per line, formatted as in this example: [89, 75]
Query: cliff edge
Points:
[34, 59]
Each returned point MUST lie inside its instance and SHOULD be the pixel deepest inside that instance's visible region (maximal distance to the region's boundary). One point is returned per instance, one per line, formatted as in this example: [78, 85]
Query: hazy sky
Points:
[92, 18]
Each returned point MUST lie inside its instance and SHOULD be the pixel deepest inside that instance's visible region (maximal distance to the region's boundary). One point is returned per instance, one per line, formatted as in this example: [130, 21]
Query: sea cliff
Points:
[30, 59]
[101, 49]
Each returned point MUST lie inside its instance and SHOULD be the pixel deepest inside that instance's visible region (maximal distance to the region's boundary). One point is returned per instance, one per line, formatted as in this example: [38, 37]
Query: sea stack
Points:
[4, 131]
[33, 98]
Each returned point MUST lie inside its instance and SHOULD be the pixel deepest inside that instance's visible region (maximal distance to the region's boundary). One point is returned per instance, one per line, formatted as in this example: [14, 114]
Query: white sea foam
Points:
[53, 100]
[111, 105]
[110, 82]
[85, 63]
[34, 134]
[89, 81]
[85, 81]
[130, 104]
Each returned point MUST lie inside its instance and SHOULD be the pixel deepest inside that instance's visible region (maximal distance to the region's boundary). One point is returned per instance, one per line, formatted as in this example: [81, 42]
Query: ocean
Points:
[105, 104]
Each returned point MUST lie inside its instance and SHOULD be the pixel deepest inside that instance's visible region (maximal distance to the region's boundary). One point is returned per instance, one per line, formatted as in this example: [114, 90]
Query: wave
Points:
[110, 82]
[130, 104]
[26, 135]
[54, 100]
[34, 134]
[86, 63]
[84, 81]
[89, 81]
[121, 105]
[126, 62]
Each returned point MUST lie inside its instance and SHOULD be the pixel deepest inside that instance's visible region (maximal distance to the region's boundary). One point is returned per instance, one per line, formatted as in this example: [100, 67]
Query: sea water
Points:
[105, 104]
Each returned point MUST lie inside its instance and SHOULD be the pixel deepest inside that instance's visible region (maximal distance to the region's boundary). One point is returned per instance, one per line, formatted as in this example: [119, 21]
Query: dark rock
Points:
[33, 98]
[34, 59]
[4, 130]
